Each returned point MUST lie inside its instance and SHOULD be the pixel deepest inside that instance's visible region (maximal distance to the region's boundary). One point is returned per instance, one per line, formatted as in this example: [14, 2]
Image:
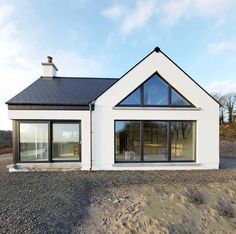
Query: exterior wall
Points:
[83, 116]
[207, 140]
[206, 116]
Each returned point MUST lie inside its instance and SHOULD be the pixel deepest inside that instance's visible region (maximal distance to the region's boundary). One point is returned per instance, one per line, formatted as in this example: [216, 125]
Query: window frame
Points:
[141, 86]
[50, 140]
[168, 142]
[65, 122]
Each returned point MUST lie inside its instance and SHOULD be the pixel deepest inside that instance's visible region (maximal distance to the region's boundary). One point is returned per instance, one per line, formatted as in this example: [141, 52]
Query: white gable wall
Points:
[206, 115]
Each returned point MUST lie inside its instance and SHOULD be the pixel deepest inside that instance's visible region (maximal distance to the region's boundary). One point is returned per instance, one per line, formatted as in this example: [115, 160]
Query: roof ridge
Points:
[84, 77]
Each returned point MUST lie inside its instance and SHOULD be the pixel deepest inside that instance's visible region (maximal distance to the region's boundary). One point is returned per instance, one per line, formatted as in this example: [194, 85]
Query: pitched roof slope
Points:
[63, 91]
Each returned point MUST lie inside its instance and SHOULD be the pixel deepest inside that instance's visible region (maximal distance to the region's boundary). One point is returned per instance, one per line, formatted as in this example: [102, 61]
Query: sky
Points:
[105, 38]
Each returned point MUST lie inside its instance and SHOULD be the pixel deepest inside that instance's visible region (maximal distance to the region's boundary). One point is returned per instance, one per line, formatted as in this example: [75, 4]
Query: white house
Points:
[154, 117]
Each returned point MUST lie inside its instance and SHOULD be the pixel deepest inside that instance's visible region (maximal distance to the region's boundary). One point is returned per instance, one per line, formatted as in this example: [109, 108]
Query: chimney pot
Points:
[49, 68]
[49, 59]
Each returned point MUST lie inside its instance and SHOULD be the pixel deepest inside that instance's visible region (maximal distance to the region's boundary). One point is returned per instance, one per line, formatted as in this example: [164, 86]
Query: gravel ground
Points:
[59, 202]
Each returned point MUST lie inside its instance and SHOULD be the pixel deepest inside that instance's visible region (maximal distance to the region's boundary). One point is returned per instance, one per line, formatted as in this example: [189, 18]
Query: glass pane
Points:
[178, 100]
[66, 141]
[155, 141]
[155, 91]
[183, 141]
[132, 99]
[33, 141]
[127, 140]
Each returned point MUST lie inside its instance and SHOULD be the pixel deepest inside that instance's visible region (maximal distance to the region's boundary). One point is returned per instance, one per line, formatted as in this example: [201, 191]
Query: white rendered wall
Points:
[206, 116]
[83, 116]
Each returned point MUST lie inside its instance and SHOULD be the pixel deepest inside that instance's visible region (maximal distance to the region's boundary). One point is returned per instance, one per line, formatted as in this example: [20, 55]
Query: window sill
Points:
[156, 108]
[178, 164]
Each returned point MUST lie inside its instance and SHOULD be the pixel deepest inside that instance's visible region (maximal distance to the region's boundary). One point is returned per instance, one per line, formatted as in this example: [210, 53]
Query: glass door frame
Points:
[17, 150]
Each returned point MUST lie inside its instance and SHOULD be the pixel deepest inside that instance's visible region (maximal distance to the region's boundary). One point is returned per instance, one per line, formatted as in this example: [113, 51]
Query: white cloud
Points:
[113, 12]
[132, 16]
[218, 47]
[137, 18]
[222, 87]
[20, 59]
[6, 10]
[168, 12]
[211, 7]
[173, 11]
[72, 64]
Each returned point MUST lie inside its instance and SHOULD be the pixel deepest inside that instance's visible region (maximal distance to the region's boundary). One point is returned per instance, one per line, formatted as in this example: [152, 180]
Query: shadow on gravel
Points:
[43, 202]
[227, 162]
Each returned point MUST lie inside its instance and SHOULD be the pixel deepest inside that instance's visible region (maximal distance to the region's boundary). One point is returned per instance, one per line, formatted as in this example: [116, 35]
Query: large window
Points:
[33, 141]
[49, 141]
[182, 140]
[154, 141]
[66, 141]
[128, 146]
[155, 91]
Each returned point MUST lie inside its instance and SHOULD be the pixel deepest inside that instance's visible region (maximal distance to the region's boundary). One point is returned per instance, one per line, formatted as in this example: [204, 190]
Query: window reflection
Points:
[147, 141]
[178, 100]
[155, 91]
[127, 139]
[182, 141]
[133, 99]
[33, 141]
[155, 141]
[66, 141]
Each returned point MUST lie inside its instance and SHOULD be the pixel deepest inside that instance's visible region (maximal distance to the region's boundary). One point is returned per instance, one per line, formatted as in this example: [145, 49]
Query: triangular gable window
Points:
[155, 92]
[178, 100]
[133, 99]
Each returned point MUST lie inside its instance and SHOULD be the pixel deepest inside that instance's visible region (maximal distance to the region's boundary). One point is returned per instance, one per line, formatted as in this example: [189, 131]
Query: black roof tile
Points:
[63, 91]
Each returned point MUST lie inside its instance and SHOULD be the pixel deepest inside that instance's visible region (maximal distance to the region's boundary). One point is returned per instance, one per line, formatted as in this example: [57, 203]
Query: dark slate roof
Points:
[63, 91]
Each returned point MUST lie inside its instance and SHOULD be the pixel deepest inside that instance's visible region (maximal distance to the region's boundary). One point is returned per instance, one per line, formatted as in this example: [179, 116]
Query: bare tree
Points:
[221, 99]
[230, 105]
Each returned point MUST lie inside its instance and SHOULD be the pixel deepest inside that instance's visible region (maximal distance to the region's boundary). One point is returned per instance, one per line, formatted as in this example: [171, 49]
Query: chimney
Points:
[49, 68]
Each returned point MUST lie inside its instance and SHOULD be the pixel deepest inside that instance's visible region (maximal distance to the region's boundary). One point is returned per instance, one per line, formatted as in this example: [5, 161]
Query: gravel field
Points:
[60, 202]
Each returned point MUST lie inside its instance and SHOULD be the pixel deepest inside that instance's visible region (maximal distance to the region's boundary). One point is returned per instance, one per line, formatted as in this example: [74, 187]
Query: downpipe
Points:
[91, 107]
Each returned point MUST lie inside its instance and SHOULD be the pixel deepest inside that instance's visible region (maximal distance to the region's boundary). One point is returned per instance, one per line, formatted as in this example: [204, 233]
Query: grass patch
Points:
[195, 196]
[225, 208]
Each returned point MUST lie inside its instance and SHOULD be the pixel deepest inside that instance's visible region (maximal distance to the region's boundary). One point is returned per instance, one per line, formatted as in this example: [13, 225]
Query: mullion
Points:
[169, 140]
[50, 141]
[142, 140]
[142, 95]
[169, 96]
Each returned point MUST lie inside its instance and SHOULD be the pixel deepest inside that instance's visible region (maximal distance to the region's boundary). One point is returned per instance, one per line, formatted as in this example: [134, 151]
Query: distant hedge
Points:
[5, 138]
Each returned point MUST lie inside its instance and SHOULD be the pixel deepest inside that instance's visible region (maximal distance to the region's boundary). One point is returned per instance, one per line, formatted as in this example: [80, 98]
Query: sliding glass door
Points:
[49, 141]
[34, 141]
[66, 141]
